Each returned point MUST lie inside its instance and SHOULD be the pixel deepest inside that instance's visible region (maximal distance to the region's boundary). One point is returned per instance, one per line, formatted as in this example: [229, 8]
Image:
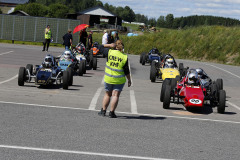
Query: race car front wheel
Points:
[94, 63]
[65, 79]
[21, 76]
[222, 102]
[167, 97]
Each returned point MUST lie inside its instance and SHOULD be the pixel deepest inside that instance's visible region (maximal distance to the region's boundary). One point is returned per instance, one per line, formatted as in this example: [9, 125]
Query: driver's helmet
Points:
[48, 62]
[95, 44]
[200, 72]
[192, 78]
[67, 55]
[170, 63]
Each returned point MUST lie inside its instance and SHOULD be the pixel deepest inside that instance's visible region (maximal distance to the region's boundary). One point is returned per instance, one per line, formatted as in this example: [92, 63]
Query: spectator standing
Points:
[105, 37]
[110, 38]
[115, 71]
[83, 37]
[116, 37]
[48, 37]
[67, 39]
[90, 40]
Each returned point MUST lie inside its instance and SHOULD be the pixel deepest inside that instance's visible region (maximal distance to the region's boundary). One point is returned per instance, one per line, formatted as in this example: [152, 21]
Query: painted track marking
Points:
[5, 53]
[223, 70]
[79, 152]
[139, 114]
[133, 102]
[234, 105]
[93, 103]
[9, 79]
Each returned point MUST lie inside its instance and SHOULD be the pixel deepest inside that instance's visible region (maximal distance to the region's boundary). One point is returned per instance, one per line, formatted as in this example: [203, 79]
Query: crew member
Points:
[48, 37]
[115, 72]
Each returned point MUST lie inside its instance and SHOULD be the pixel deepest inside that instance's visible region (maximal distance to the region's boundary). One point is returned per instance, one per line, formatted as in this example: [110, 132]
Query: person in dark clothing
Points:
[116, 37]
[110, 38]
[115, 72]
[67, 38]
[83, 37]
[90, 40]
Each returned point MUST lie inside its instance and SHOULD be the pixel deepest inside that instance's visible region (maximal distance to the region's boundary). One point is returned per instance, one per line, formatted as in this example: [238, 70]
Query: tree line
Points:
[60, 9]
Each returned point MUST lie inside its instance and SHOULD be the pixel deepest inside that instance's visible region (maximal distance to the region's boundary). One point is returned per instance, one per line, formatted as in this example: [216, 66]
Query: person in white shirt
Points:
[105, 37]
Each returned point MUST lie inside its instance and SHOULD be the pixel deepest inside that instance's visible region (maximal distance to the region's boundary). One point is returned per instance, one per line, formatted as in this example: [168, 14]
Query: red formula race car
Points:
[192, 91]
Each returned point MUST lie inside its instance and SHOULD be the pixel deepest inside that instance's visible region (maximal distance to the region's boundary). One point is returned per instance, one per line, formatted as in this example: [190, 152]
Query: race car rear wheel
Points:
[167, 97]
[21, 76]
[84, 66]
[70, 72]
[165, 82]
[141, 57]
[65, 79]
[30, 68]
[153, 72]
[219, 83]
[181, 68]
[222, 101]
[94, 63]
[144, 59]
[81, 68]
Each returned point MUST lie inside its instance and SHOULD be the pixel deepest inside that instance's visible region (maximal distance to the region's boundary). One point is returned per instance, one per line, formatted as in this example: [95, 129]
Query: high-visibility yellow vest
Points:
[114, 73]
[48, 35]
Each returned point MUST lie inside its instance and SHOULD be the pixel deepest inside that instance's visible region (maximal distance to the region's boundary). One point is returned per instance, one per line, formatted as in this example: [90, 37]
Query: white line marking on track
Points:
[9, 79]
[133, 102]
[139, 114]
[223, 70]
[234, 105]
[5, 53]
[95, 99]
[79, 152]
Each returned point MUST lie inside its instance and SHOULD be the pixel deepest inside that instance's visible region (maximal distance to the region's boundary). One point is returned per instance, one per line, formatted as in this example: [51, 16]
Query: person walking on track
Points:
[116, 71]
[48, 37]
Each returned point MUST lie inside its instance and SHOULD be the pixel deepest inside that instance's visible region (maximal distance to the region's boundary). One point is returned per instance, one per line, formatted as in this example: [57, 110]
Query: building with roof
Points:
[7, 6]
[97, 15]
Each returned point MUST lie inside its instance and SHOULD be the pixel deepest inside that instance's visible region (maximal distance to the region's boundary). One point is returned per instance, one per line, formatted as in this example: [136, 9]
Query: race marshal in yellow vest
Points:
[116, 72]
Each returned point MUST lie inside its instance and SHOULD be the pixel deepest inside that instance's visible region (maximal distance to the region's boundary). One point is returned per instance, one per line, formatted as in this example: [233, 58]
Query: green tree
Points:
[169, 20]
[58, 10]
[161, 22]
[152, 22]
[0, 11]
[35, 9]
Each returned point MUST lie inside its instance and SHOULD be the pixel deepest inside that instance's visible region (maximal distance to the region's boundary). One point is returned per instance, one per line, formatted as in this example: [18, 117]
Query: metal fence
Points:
[27, 28]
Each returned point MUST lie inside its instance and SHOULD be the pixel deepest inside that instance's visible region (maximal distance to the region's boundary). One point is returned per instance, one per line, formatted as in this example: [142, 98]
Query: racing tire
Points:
[91, 61]
[181, 68]
[30, 68]
[213, 90]
[178, 78]
[219, 83]
[153, 73]
[81, 68]
[165, 82]
[143, 59]
[167, 97]
[21, 76]
[222, 102]
[173, 83]
[65, 79]
[184, 72]
[94, 63]
[84, 66]
[70, 72]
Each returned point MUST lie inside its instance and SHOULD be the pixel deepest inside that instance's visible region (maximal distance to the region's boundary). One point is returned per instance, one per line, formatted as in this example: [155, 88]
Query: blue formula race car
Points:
[46, 74]
[153, 55]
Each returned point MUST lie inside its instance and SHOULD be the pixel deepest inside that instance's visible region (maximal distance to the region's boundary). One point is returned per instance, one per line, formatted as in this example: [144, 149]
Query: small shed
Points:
[98, 15]
[7, 6]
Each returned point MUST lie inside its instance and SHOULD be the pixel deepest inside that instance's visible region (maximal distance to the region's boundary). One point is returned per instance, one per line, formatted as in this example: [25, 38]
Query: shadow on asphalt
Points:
[141, 117]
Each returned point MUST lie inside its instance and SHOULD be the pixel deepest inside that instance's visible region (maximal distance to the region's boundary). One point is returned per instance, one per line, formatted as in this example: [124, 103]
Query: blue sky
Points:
[156, 8]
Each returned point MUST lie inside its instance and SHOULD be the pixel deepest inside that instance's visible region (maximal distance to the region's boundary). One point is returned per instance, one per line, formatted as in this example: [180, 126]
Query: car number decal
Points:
[195, 101]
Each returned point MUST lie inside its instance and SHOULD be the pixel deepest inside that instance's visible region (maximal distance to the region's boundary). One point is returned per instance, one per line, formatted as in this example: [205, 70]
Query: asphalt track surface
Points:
[51, 123]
